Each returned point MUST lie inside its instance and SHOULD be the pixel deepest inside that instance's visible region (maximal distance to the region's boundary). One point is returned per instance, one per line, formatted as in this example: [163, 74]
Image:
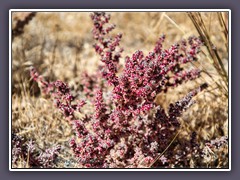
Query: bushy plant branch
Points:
[126, 128]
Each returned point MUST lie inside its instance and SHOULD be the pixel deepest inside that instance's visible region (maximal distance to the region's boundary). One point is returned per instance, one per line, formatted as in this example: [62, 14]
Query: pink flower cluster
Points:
[63, 99]
[143, 77]
[127, 128]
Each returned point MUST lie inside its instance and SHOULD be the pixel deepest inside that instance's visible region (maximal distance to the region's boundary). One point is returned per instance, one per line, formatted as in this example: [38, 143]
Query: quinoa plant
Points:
[126, 128]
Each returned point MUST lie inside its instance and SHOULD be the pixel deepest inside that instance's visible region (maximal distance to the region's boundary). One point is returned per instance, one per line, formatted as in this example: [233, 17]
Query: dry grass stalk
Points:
[215, 60]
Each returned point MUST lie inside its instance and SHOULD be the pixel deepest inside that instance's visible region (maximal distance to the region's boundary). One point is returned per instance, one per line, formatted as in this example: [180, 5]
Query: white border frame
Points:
[116, 10]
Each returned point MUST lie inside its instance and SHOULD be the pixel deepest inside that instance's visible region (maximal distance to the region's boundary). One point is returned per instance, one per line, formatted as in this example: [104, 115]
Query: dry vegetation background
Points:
[59, 45]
